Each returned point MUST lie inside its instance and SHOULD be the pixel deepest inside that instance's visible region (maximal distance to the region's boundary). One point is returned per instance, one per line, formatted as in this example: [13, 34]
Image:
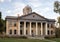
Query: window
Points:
[48, 32]
[14, 24]
[27, 24]
[28, 9]
[48, 25]
[39, 25]
[21, 32]
[21, 24]
[10, 23]
[52, 25]
[33, 15]
[14, 31]
[32, 31]
[10, 31]
[33, 25]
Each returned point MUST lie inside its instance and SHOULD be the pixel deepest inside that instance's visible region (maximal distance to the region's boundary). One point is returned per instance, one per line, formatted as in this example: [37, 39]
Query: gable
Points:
[33, 16]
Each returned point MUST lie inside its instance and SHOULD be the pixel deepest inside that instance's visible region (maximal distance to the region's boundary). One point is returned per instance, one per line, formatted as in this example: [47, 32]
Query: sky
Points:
[15, 7]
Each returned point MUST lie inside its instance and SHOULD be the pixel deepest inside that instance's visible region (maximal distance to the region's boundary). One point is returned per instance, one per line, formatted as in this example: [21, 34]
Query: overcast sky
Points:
[14, 7]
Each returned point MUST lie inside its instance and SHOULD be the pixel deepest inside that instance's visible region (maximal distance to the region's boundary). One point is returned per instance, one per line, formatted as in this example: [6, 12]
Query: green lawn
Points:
[56, 39]
[20, 40]
[28, 40]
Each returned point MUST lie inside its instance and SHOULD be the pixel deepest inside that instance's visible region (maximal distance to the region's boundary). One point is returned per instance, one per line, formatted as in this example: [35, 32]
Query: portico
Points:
[35, 28]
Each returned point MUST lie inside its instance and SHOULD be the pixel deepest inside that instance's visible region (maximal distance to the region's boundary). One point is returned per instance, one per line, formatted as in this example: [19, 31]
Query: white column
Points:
[36, 29]
[49, 30]
[46, 29]
[30, 28]
[7, 32]
[41, 29]
[13, 31]
[24, 27]
[18, 27]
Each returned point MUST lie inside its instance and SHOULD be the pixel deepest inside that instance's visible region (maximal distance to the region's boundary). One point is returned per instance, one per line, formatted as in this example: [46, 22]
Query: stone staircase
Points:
[36, 37]
[40, 37]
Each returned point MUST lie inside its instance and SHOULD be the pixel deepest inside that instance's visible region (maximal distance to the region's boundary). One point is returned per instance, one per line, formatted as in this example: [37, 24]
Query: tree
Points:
[57, 32]
[57, 10]
[57, 7]
[58, 21]
[0, 15]
[1, 24]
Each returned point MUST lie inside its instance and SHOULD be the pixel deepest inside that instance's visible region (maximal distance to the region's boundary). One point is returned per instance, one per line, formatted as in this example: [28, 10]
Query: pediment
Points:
[33, 16]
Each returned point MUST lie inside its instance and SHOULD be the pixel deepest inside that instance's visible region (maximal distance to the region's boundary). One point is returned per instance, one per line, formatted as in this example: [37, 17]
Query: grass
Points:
[28, 40]
[56, 39]
[20, 40]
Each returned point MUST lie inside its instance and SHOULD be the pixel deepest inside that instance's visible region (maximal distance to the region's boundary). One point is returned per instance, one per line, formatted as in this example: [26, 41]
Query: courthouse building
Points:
[29, 24]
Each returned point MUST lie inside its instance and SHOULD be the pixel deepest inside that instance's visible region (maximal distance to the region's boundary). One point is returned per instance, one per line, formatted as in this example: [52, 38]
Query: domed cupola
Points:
[26, 10]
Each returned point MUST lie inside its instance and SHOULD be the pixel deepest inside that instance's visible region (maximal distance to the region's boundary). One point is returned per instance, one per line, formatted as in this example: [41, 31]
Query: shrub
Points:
[49, 37]
[57, 32]
[22, 37]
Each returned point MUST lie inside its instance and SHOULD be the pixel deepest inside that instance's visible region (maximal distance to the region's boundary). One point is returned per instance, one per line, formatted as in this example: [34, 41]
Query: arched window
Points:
[15, 31]
[10, 32]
